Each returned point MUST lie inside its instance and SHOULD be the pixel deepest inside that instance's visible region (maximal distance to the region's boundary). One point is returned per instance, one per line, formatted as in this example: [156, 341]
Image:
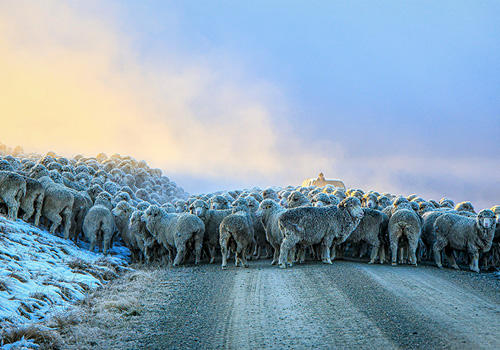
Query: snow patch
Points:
[41, 274]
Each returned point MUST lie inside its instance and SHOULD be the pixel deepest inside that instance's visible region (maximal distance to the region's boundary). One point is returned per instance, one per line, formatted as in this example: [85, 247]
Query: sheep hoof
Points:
[393, 264]
[455, 267]
[414, 265]
[439, 266]
[212, 260]
[224, 267]
[282, 266]
[327, 261]
[274, 262]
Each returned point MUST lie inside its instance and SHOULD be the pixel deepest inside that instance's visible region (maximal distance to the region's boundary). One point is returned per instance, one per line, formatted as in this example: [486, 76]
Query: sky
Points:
[397, 96]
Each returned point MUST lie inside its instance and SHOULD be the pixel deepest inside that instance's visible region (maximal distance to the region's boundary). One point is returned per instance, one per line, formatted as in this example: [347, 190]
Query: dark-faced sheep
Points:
[327, 226]
[473, 236]
[175, 230]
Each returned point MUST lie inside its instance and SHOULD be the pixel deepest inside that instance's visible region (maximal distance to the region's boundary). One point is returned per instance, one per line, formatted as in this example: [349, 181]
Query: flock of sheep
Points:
[101, 199]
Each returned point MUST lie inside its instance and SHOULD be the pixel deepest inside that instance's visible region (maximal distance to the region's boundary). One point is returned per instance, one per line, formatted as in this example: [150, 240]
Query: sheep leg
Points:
[276, 254]
[12, 208]
[28, 213]
[242, 252]
[181, 251]
[474, 265]
[381, 254]
[211, 251]
[394, 250]
[66, 215]
[223, 247]
[436, 250]
[56, 221]
[450, 256]
[198, 242]
[92, 244]
[374, 252]
[412, 250]
[288, 243]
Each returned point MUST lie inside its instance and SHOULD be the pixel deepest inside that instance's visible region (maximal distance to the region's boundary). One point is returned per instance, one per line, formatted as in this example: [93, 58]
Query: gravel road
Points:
[345, 305]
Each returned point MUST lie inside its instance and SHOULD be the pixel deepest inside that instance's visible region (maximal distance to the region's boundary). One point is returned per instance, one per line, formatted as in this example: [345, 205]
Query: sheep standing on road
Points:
[99, 224]
[237, 233]
[327, 226]
[466, 234]
[175, 231]
[404, 229]
[269, 212]
[212, 219]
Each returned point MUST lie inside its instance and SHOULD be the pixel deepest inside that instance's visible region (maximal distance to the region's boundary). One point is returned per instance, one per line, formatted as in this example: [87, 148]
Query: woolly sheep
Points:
[212, 219]
[465, 206]
[32, 202]
[466, 234]
[121, 214]
[370, 230]
[219, 202]
[269, 212]
[237, 234]
[327, 226]
[175, 231]
[99, 225]
[12, 191]
[405, 224]
[297, 199]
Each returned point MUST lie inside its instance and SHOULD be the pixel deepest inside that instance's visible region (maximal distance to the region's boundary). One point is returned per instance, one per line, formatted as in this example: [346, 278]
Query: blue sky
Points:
[402, 96]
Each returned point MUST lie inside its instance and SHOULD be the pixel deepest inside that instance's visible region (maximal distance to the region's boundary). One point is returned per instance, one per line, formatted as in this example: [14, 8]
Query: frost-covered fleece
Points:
[371, 229]
[297, 199]
[236, 233]
[404, 224]
[32, 202]
[269, 212]
[175, 230]
[466, 234]
[12, 191]
[212, 219]
[329, 226]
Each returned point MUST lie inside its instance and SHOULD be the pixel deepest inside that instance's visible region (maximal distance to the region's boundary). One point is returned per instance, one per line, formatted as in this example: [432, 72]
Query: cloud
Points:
[71, 82]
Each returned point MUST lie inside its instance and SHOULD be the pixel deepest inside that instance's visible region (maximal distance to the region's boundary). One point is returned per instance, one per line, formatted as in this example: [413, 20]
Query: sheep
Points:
[219, 202]
[321, 199]
[237, 233]
[270, 193]
[12, 191]
[404, 224]
[5, 166]
[212, 219]
[297, 199]
[175, 230]
[465, 206]
[446, 203]
[58, 201]
[180, 206]
[269, 212]
[370, 230]
[462, 233]
[99, 224]
[370, 201]
[329, 226]
[383, 202]
[122, 213]
[32, 202]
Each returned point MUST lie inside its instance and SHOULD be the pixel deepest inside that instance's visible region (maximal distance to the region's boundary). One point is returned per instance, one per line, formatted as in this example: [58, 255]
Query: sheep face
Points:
[486, 219]
[370, 201]
[353, 206]
[198, 208]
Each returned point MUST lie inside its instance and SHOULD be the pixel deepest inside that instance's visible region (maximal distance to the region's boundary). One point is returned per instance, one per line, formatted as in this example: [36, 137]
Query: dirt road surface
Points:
[345, 305]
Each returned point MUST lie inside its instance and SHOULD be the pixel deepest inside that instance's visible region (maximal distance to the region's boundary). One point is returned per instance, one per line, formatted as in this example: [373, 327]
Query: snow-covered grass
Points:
[41, 274]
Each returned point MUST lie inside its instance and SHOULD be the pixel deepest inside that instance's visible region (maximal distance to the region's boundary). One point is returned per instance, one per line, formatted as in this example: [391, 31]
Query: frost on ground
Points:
[41, 274]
